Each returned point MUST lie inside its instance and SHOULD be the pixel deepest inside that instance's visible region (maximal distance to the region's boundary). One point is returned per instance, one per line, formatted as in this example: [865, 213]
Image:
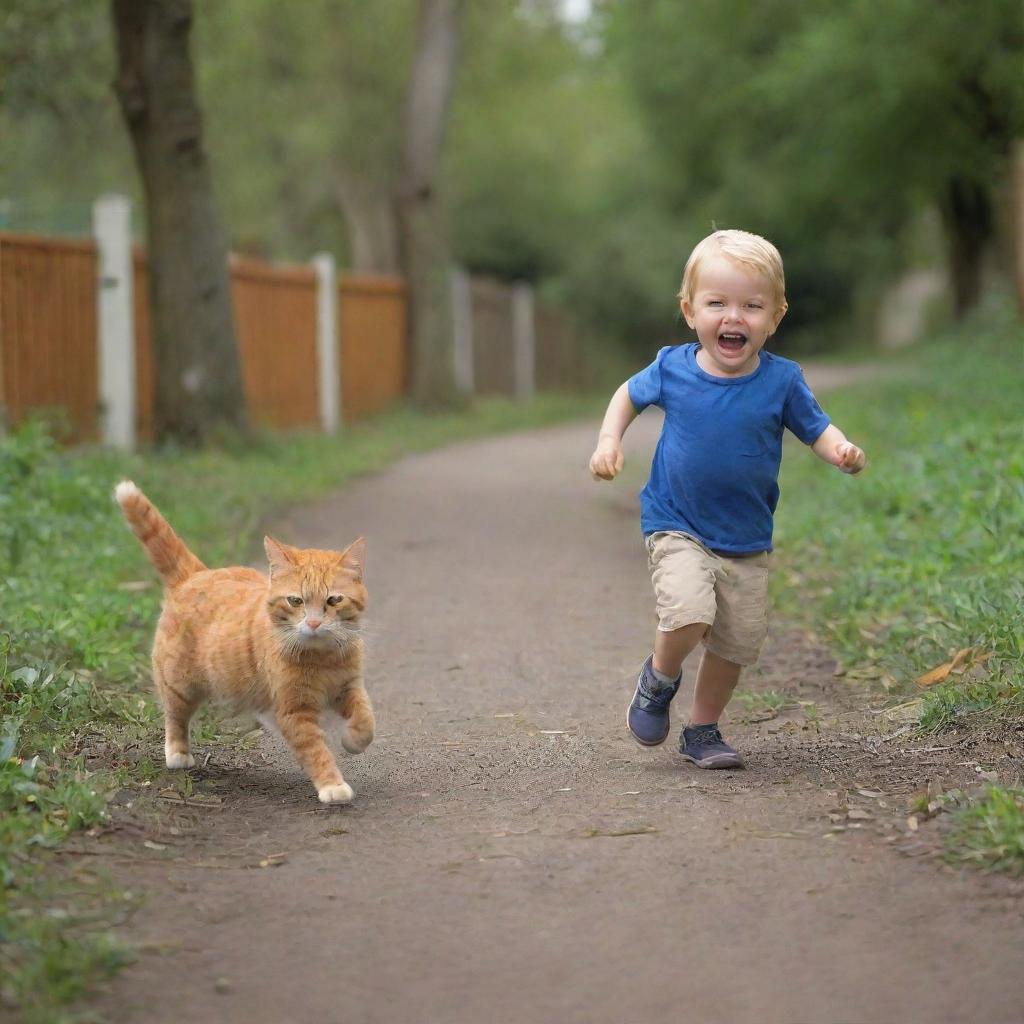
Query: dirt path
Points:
[512, 856]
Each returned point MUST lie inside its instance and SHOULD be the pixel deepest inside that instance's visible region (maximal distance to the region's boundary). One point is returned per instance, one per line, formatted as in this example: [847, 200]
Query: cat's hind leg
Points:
[354, 706]
[301, 729]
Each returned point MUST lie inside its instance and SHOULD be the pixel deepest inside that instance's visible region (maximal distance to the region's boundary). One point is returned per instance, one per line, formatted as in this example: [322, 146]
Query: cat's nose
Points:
[313, 623]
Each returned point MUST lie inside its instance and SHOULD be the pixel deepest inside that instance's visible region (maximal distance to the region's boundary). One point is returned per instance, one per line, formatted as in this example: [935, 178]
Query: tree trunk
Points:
[370, 215]
[422, 222]
[968, 219]
[198, 379]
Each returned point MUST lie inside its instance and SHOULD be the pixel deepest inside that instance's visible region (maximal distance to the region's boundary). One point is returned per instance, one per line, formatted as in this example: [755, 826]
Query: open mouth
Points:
[731, 342]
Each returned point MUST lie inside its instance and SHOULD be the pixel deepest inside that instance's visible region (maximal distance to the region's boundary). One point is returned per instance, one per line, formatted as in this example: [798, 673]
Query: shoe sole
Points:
[716, 761]
[647, 743]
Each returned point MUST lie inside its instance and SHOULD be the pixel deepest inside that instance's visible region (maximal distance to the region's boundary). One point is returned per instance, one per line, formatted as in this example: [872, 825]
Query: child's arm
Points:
[607, 459]
[833, 447]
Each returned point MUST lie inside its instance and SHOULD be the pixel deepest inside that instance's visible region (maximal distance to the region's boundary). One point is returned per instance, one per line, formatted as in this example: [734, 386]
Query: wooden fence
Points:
[302, 358]
[48, 355]
[49, 339]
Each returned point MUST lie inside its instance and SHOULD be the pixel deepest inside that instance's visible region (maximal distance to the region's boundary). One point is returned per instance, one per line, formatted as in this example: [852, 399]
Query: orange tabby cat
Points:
[288, 646]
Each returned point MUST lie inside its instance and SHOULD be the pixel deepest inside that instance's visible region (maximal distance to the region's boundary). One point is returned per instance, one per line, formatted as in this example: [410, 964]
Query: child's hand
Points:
[849, 458]
[607, 459]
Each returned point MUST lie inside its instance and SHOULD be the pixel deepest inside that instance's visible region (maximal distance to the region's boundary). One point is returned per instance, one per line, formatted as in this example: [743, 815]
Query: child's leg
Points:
[672, 646]
[716, 680]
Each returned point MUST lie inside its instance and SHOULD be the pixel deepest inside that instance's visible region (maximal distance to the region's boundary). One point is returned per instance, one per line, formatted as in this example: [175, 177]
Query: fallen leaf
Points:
[958, 661]
[870, 793]
[912, 823]
[150, 845]
[275, 860]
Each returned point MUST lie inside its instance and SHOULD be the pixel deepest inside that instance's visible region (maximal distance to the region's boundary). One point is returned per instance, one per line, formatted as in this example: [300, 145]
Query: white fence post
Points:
[112, 230]
[524, 340]
[462, 328]
[328, 356]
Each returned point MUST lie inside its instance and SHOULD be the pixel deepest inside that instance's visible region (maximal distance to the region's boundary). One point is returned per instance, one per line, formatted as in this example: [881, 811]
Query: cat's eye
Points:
[294, 601]
[335, 599]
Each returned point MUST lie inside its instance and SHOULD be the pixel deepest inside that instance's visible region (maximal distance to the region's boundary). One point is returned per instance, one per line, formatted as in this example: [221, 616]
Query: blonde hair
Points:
[750, 251]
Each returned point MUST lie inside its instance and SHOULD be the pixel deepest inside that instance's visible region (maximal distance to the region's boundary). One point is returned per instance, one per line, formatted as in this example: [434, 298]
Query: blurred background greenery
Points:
[590, 145]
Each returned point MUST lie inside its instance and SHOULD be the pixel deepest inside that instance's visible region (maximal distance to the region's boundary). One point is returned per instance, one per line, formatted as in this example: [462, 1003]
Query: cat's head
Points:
[315, 598]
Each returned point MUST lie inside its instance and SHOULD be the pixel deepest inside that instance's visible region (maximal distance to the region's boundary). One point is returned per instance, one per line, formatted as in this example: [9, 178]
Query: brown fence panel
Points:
[374, 363]
[557, 361]
[48, 356]
[275, 316]
[493, 340]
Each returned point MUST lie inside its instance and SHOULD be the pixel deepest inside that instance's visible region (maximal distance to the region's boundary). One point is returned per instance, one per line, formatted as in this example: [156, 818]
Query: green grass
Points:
[990, 832]
[766, 702]
[921, 555]
[78, 603]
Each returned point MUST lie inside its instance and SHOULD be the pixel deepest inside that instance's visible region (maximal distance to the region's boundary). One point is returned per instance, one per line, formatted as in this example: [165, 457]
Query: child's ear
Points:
[779, 314]
[687, 310]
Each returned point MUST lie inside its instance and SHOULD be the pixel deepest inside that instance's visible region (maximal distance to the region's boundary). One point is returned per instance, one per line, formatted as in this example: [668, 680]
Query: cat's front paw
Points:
[356, 740]
[342, 793]
[176, 759]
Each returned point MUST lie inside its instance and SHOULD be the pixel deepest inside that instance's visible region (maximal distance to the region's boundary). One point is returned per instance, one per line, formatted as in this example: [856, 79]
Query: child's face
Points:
[734, 312]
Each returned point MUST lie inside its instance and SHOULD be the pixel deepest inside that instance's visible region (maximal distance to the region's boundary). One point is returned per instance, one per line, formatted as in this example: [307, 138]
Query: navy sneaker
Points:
[704, 746]
[647, 717]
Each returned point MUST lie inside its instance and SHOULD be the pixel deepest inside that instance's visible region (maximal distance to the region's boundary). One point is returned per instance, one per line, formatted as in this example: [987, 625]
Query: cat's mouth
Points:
[338, 635]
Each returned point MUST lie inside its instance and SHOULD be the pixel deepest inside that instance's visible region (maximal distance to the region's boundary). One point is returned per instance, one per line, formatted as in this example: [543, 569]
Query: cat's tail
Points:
[166, 550]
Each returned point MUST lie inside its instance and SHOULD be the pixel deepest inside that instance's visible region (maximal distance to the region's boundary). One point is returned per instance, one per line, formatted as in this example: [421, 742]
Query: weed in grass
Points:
[962, 702]
[990, 832]
[767, 703]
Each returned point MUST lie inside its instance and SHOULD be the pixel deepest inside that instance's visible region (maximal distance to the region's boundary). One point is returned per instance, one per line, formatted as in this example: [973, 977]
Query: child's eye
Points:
[335, 599]
[715, 302]
[755, 305]
[294, 601]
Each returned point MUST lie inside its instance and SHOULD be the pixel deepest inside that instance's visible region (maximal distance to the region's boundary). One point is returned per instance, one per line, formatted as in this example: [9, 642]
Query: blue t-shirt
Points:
[715, 470]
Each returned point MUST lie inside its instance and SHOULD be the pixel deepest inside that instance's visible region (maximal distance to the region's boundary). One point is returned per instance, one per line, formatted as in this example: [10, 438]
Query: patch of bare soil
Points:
[511, 854]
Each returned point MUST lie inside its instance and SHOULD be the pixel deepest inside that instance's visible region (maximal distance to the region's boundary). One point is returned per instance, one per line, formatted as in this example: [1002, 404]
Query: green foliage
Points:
[58, 113]
[766, 702]
[920, 556]
[905, 107]
[990, 832]
[963, 702]
[328, 79]
[589, 160]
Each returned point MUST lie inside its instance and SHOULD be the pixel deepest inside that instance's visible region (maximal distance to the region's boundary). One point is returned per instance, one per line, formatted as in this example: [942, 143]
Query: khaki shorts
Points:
[693, 584]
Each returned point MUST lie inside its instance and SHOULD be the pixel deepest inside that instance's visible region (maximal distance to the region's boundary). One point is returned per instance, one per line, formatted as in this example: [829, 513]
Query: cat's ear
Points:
[354, 557]
[278, 555]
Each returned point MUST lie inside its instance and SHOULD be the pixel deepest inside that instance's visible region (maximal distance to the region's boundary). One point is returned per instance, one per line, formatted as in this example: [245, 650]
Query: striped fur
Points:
[285, 646]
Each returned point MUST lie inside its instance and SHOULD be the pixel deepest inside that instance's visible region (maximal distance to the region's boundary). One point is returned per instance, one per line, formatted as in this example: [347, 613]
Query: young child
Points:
[706, 511]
